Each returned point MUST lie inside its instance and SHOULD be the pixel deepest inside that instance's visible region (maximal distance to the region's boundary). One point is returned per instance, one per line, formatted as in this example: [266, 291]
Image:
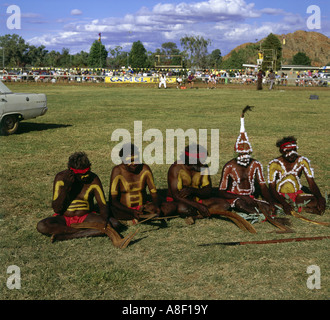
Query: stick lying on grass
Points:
[154, 217]
[239, 243]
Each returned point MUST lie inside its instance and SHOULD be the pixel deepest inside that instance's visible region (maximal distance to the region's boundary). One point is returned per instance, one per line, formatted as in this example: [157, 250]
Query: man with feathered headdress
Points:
[239, 175]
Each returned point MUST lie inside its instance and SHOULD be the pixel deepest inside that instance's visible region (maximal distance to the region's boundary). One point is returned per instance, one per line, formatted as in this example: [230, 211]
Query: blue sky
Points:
[227, 23]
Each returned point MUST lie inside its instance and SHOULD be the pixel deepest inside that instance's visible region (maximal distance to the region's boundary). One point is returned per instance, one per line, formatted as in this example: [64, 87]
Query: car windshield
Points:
[4, 89]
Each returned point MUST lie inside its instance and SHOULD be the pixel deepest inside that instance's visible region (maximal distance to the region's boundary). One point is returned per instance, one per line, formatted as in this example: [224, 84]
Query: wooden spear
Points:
[239, 243]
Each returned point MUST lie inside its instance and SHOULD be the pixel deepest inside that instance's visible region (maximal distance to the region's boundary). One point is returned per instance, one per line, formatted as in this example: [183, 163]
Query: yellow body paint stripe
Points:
[115, 183]
[192, 181]
[132, 187]
[183, 174]
[78, 208]
[306, 165]
[57, 189]
[78, 205]
[273, 168]
[148, 173]
[131, 158]
[127, 185]
[205, 181]
[98, 189]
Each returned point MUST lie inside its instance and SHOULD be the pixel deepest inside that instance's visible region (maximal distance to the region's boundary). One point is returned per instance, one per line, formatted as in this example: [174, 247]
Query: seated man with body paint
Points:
[187, 187]
[190, 190]
[74, 190]
[284, 174]
[239, 175]
[128, 183]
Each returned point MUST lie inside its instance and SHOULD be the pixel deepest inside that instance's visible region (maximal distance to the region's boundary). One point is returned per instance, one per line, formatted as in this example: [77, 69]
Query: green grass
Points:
[163, 263]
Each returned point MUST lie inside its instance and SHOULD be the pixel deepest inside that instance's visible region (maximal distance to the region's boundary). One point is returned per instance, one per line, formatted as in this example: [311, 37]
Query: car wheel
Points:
[9, 125]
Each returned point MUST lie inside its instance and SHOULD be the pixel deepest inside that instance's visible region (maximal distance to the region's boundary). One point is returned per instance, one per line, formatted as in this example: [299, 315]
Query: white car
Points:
[15, 107]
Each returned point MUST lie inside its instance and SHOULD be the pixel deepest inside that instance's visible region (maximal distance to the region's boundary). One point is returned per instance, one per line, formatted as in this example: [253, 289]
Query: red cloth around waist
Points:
[74, 219]
[293, 196]
[136, 208]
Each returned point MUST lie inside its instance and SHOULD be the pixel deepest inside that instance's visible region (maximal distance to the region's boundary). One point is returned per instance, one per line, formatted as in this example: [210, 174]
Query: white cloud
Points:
[75, 41]
[32, 18]
[30, 15]
[184, 13]
[294, 19]
[211, 9]
[272, 11]
[76, 12]
[227, 23]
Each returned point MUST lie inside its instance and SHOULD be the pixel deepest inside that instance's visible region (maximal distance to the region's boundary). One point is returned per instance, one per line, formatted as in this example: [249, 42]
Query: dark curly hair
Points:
[79, 160]
[285, 139]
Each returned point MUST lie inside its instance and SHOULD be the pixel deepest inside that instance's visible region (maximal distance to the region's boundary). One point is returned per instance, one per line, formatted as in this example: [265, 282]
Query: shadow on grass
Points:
[162, 194]
[25, 127]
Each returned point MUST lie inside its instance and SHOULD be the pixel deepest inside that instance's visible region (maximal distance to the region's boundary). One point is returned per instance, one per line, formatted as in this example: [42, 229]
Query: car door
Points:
[16, 102]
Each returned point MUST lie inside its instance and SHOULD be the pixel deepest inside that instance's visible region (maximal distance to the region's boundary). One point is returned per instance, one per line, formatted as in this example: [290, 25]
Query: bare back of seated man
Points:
[128, 188]
[74, 191]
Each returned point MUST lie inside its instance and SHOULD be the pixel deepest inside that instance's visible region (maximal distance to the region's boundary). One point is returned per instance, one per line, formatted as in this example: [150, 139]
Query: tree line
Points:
[17, 53]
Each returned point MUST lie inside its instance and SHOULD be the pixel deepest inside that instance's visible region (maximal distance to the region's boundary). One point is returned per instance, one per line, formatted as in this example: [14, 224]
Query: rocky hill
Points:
[314, 44]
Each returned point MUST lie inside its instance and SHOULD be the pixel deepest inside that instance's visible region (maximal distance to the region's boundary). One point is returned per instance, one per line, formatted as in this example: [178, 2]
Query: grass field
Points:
[162, 263]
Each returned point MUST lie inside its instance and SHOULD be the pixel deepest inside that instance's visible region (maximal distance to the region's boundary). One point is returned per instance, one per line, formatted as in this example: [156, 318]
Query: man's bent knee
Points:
[43, 227]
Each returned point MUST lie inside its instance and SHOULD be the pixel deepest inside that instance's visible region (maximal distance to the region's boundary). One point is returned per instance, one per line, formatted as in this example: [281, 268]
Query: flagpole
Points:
[100, 49]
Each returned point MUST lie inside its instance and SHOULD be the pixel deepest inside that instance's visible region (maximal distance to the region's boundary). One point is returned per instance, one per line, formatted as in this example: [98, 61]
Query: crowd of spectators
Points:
[302, 78]
[52, 75]
[242, 77]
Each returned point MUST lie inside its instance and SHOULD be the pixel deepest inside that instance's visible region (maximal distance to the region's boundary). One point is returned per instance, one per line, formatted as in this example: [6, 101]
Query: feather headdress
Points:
[242, 143]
